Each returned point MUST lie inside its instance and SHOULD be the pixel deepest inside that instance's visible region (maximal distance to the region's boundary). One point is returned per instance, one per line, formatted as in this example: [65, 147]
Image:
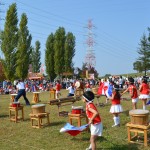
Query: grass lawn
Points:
[21, 136]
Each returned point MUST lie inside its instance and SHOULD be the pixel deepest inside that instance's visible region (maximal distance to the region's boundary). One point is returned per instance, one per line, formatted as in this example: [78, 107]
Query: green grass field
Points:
[21, 136]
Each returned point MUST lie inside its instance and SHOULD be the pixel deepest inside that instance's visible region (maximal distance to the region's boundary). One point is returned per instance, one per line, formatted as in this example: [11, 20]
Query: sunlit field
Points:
[21, 136]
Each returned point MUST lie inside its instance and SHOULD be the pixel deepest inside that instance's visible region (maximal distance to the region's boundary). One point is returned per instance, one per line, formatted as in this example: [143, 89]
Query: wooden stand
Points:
[13, 97]
[35, 97]
[137, 129]
[52, 93]
[39, 117]
[14, 117]
[77, 117]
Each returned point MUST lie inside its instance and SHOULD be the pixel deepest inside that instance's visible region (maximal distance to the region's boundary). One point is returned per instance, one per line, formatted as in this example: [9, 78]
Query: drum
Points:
[38, 108]
[15, 104]
[77, 109]
[77, 84]
[139, 116]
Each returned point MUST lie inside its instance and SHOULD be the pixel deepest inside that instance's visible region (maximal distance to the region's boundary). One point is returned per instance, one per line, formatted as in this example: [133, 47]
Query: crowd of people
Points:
[137, 88]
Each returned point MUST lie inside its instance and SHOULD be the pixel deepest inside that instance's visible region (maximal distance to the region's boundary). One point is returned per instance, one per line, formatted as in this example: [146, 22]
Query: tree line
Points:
[59, 50]
[19, 53]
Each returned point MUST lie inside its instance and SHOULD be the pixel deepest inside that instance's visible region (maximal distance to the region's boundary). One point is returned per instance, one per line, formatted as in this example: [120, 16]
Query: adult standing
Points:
[21, 92]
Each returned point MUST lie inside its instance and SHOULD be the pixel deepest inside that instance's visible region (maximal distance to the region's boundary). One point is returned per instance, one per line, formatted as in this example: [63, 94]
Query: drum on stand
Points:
[139, 116]
[38, 108]
[77, 110]
[15, 104]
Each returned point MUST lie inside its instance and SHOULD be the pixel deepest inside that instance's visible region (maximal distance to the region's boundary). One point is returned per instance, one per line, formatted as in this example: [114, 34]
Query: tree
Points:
[36, 56]
[23, 48]
[137, 66]
[59, 49]
[69, 51]
[143, 62]
[9, 40]
[49, 57]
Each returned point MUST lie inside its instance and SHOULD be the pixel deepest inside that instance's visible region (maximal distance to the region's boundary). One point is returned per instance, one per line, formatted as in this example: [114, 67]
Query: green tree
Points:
[49, 57]
[137, 66]
[59, 49]
[23, 48]
[143, 62]
[36, 57]
[9, 40]
[69, 52]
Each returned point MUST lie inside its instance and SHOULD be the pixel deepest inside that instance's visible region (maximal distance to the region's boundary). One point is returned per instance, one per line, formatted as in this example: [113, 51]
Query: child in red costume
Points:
[144, 92]
[94, 119]
[58, 87]
[116, 107]
[133, 92]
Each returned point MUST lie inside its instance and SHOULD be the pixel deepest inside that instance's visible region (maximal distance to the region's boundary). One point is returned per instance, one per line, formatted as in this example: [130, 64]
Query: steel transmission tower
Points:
[90, 59]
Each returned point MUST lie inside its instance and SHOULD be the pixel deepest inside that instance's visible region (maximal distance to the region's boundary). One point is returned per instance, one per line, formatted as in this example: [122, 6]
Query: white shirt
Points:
[21, 86]
[71, 90]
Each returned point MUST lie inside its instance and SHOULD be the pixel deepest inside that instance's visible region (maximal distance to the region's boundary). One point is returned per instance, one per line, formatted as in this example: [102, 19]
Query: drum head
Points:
[77, 107]
[38, 105]
[138, 112]
[77, 84]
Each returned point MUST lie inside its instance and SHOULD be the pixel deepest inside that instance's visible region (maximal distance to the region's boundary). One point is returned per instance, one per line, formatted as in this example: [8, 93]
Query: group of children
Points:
[112, 92]
[114, 95]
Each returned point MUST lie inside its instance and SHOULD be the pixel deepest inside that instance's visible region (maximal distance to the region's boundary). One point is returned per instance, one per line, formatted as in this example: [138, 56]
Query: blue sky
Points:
[118, 28]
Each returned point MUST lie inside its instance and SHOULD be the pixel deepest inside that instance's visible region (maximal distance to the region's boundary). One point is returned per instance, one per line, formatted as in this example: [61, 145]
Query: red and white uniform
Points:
[133, 92]
[87, 87]
[116, 106]
[100, 89]
[58, 87]
[96, 126]
[144, 92]
[97, 119]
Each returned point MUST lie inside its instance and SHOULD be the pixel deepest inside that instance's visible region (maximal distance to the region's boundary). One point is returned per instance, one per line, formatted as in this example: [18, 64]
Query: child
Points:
[71, 89]
[88, 86]
[116, 108]
[133, 92]
[144, 92]
[58, 87]
[109, 90]
[94, 119]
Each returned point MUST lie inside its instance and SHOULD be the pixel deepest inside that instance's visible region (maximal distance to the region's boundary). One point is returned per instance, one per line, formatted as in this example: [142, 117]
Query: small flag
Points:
[72, 130]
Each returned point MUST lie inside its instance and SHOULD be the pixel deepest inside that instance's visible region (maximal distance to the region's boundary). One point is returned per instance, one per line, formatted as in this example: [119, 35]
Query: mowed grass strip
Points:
[21, 136]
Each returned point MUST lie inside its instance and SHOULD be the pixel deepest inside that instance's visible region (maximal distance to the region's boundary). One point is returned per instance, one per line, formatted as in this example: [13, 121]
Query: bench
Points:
[63, 102]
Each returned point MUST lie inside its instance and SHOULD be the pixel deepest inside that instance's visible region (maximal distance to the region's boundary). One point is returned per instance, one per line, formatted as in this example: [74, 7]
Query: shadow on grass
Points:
[116, 146]
[57, 123]
[126, 112]
[113, 147]
[27, 119]
[4, 116]
[120, 147]
[100, 139]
